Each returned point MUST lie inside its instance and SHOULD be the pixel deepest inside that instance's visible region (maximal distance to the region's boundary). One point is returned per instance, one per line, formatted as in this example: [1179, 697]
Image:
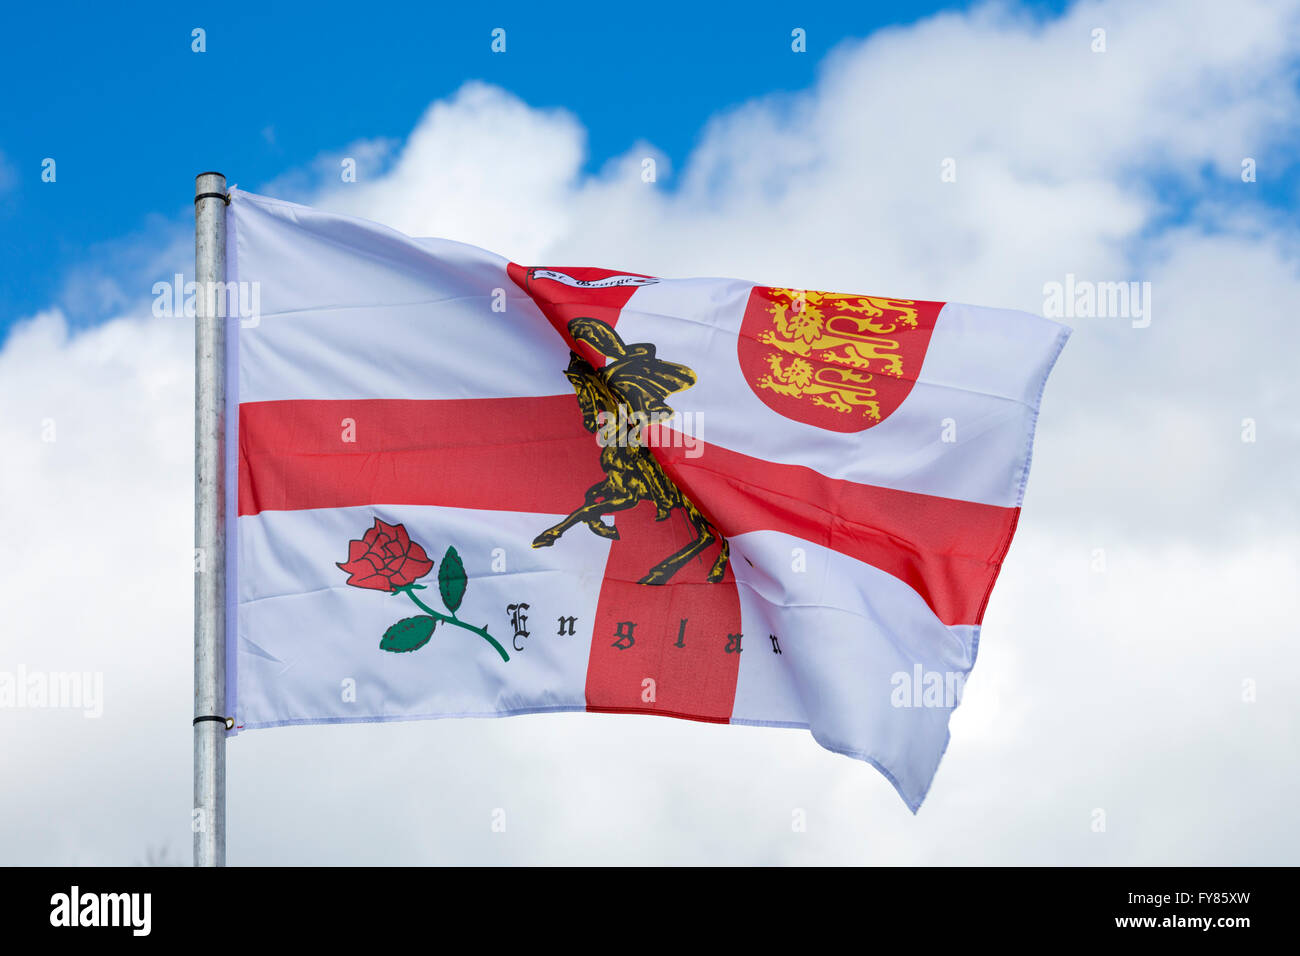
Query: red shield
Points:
[838, 361]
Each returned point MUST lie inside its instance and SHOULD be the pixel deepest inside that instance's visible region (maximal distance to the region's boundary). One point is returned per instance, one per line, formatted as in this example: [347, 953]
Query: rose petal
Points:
[362, 574]
[363, 567]
[411, 570]
[375, 582]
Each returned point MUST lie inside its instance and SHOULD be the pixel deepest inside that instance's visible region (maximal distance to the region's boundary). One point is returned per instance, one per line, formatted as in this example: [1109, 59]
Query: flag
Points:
[466, 487]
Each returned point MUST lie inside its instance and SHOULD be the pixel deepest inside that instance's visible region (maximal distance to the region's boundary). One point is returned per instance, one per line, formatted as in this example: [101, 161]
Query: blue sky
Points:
[114, 99]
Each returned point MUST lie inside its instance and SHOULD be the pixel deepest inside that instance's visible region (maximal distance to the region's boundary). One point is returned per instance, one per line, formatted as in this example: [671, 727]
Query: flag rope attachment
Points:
[228, 721]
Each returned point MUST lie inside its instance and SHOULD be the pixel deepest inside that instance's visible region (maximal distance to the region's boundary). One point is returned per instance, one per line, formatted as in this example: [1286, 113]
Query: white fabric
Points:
[350, 309]
[846, 633]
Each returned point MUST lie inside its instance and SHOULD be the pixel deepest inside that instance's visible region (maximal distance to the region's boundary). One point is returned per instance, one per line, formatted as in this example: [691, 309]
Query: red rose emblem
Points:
[385, 559]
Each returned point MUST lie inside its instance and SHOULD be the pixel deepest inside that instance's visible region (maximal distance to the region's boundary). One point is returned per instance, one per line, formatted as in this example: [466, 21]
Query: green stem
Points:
[481, 632]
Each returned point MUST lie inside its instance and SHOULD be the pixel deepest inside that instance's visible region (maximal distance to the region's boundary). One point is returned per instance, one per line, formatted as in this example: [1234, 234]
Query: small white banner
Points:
[606, 283]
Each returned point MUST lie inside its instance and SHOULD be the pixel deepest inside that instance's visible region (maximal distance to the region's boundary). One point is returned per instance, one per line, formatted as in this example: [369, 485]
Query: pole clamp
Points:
[224, 197]
[228, 721]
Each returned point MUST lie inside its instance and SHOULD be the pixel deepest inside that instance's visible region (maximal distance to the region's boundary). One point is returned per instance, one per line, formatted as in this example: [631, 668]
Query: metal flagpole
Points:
[209, 822]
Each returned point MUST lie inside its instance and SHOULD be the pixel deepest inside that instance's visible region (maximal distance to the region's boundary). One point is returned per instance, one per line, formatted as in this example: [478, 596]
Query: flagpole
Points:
[209, 821]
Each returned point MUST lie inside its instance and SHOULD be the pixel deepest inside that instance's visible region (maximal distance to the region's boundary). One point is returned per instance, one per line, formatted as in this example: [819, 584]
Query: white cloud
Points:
[1118, 690]
[485, 168]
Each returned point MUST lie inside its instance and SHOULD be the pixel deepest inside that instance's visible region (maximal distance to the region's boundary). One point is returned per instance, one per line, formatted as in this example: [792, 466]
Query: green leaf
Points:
[451, 580]
[409, 634]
